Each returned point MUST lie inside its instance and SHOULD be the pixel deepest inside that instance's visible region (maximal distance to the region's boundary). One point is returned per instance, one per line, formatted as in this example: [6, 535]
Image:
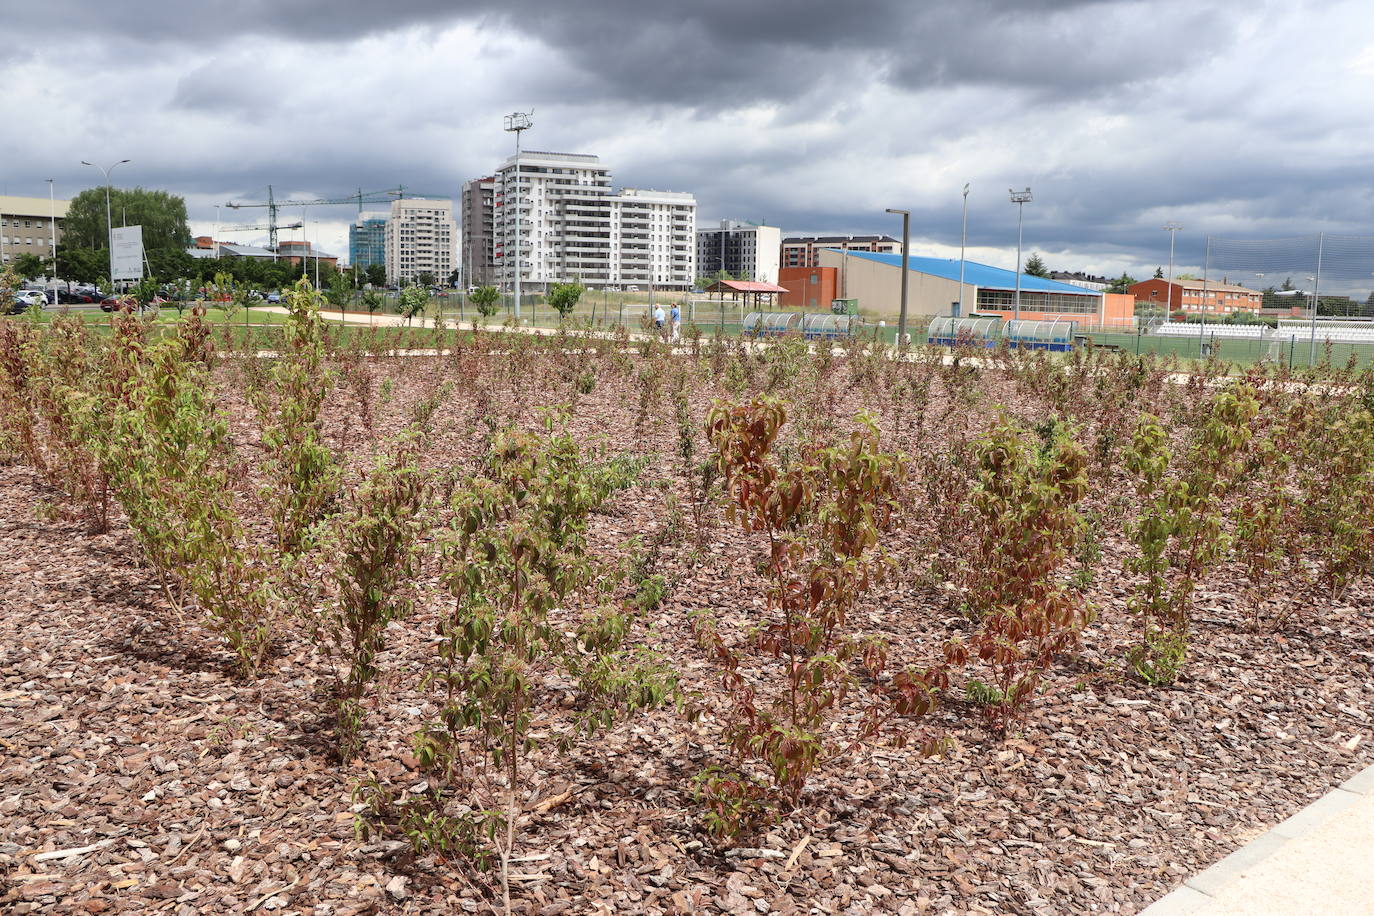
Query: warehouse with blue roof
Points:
[875, 280]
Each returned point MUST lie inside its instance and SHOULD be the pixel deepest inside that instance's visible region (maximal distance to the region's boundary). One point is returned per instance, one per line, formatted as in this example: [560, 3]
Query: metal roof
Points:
[982, 276]
[244, 251]
[1212, 285]
[744, 286]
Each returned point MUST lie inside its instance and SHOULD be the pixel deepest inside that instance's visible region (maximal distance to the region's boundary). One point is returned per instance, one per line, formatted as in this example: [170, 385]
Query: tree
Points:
[162, 216]
[413, 301]
[375, 274]
[338, 289]
[29, 266]
[485, 298]
[1121, 284]
[172, 263]
[1035, 267]
[563, 297]
[453, 277]
[81, 265]
[1159, 273]
[426, 279]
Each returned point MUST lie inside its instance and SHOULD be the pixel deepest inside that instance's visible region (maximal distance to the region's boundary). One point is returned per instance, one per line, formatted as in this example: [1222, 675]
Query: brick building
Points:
[803, 250]
[1195, 296]
[809, 287]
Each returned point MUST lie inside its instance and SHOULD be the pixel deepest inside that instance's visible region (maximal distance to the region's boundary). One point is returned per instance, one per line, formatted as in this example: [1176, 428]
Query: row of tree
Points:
[83, 254]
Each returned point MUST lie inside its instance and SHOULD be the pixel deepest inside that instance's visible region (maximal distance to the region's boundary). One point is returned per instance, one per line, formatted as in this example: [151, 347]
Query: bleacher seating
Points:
[1181, 329]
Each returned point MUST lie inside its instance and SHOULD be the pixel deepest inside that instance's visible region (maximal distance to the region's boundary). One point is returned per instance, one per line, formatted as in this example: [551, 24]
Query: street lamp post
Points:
[1020, 198]
[1173, 229]
[1316, 293]
[963, 244]
[52, 228]
[109, 224]
[516, 123]
[906, 270]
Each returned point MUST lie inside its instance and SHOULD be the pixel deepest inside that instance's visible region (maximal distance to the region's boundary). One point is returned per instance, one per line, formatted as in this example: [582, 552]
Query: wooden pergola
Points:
[754, 292]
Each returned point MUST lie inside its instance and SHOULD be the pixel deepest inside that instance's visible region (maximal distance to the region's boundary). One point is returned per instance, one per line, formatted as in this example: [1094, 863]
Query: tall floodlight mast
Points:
[517, 122]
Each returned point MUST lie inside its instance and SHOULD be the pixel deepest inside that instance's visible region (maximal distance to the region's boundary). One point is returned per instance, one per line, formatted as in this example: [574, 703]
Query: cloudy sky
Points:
[1237, 119]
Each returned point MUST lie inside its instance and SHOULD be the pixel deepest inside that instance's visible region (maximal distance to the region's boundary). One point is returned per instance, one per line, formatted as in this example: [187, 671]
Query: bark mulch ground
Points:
[138, 775]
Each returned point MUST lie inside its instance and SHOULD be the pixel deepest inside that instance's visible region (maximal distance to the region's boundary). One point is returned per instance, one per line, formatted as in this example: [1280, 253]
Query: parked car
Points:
[274, 297]
[112, 302]
[76, 297]
[31, 297]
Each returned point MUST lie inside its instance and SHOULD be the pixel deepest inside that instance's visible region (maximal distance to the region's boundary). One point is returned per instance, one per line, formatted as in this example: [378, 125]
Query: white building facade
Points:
[420, 239]
[747, 250]
[574, 226]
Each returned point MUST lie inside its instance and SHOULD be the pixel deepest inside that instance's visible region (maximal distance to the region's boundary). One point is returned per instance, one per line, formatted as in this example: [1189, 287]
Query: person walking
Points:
[676, 316]
[658, 319]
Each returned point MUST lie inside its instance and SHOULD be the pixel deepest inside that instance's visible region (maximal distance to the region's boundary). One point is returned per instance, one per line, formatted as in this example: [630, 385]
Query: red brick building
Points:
[808, 287]
[1194, 296]
[801, 251]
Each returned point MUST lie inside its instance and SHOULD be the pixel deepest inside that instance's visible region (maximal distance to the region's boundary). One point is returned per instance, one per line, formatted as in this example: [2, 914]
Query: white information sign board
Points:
[127, 263]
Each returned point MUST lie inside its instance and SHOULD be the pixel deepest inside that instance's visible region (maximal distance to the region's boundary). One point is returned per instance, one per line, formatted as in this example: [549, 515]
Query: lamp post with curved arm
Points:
[109, 224]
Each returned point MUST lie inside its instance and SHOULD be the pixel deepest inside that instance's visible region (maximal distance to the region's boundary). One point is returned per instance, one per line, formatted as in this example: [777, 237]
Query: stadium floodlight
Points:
[1173, 229]
[906, 270]
[963, 244]
[109, 225]
[517, 122]
[1020, 198]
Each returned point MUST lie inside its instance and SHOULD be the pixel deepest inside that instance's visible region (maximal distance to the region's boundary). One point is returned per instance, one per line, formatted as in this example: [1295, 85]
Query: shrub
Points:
[375, 538]
[516, 550]
[302, 477]
[1027, 526]
[165, 447]
[822, 518]
[1179, 533]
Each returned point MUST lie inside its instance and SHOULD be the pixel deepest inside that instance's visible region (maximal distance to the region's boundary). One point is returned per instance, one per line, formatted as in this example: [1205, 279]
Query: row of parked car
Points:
[26, 299]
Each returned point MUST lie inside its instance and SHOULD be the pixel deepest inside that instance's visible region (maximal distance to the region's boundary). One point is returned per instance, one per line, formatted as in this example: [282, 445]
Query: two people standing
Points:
[675, 316]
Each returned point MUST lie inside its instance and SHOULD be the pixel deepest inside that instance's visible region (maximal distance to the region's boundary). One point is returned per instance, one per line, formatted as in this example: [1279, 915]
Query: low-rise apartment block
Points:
[27, 226]
[1210, 297]
[803, 250]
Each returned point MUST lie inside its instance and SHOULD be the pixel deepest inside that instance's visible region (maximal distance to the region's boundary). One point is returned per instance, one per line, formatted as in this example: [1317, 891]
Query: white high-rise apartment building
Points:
[746, 250]
[420, 239]
[574, 226]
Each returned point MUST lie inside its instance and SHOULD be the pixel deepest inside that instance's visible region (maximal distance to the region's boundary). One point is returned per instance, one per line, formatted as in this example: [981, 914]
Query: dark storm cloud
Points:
[1236, 120]
[720, 53]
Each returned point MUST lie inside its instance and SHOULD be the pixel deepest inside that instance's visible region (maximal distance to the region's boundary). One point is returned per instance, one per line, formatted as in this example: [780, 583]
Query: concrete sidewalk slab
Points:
[1320, 860]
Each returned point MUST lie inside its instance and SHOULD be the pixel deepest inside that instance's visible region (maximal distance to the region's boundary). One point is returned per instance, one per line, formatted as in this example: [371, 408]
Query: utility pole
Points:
[906, 272]
[516, 123]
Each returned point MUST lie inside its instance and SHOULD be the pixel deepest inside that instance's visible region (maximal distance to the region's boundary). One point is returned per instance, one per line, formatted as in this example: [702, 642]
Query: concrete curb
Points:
[1199, 890]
